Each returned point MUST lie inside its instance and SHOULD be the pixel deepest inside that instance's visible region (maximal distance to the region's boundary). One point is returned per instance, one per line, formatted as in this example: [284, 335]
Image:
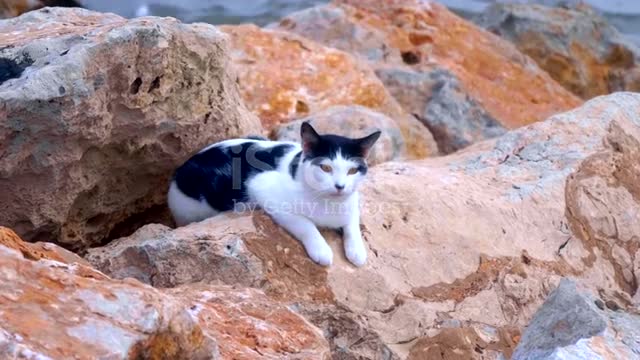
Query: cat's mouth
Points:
[339, 194]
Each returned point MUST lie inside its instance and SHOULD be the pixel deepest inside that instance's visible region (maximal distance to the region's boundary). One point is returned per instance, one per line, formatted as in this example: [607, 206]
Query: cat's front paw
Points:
[321, 254]
[356, 252]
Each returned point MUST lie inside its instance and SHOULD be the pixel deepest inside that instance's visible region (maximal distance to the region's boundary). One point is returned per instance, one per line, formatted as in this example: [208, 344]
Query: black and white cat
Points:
[301, 186]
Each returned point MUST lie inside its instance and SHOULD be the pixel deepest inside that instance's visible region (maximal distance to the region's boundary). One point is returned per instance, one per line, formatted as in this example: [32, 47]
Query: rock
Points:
[352, 121]
[569, 325]
[52, 310]
[284, 77]
[157, 255]
[461, 344]
[97, 111]
[453, 116]
[474, 241]
[636, 270]
[39, 250]
[11, 8]
[577, 47]
[151, 256]
[247, 324]
[602, 202]
[462, 82]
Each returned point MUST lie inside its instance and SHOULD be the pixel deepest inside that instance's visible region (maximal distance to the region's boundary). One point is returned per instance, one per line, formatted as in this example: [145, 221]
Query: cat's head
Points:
[334, 165]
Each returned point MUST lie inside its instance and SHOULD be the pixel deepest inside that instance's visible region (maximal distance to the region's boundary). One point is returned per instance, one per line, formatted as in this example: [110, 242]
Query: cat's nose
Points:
[339, 187]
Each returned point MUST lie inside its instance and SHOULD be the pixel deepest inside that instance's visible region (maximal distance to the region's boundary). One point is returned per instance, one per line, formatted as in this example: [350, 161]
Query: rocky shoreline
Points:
[501, 213]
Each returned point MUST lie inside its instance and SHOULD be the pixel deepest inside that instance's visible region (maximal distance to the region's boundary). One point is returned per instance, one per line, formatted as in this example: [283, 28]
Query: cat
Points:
[302, 186]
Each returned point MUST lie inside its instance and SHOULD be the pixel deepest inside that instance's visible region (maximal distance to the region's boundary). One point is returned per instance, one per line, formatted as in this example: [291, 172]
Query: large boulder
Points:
[53, 310]
[285, 77]
[465, 84]
[158, 255]
[96, 112]
[472, 242]
[574, 324]
[576, 46]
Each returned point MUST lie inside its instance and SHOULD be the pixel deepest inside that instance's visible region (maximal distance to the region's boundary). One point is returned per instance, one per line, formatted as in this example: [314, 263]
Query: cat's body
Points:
[301, 186]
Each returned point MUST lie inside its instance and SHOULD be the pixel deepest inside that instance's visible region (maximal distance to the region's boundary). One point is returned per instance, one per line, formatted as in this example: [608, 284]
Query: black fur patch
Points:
[295, 162]
[362, 165]
[218, 175]
[329, 145]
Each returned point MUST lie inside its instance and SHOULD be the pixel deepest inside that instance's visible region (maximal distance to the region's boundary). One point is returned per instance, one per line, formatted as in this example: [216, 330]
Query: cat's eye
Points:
[352, 171]
[326, 168]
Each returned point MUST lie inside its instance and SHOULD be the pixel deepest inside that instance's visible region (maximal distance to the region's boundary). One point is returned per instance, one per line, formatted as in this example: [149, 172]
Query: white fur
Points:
[186, 210]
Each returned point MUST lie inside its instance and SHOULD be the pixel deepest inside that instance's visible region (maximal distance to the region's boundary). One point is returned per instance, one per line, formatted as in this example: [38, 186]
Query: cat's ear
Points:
[367, 142]
[309, 136]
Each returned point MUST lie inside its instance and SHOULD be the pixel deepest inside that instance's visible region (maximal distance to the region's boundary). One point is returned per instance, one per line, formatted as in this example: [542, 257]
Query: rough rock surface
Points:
[577, 325]
[464, 343]
[473, 242]
[284, 77]
[39, 250]
[159, 256]
[96, 113]
[577, 47]
[464, 83]
[352, 121]
[50, 310]
[455, 119]
[249, 325]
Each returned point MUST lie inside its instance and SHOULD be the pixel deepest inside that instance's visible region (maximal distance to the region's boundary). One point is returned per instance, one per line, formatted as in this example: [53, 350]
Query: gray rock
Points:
[624, 15]
[564, 318]
[571, 325]
[158, 256]
[436, 99]
[576, 46]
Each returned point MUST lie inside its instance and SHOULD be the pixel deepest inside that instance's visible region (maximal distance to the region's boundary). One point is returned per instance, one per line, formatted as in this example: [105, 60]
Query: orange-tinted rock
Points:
[39, 250]
[247, 324]
[52, 310]
[49, 309]
[465, 344]
[577, 47]
[284, 77]
[413, 44]
[98, 111]
[474, 240]
[11, 8]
